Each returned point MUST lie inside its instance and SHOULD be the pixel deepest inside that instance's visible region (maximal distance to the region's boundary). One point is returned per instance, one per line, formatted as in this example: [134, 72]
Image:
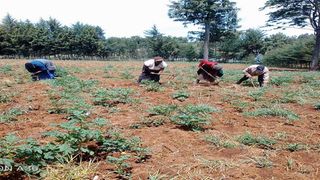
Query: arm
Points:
[246, 72]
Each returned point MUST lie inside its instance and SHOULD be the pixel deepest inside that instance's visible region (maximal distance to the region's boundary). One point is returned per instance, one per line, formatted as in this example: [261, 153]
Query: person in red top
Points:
[209, 71]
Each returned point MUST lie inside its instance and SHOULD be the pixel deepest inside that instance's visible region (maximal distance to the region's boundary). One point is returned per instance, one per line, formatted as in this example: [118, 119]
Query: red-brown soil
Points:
[177, 153]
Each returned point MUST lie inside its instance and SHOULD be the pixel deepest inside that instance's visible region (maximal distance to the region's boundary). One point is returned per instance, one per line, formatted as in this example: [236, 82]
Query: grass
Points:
[71, 170]
[273, 111]
[219, 142]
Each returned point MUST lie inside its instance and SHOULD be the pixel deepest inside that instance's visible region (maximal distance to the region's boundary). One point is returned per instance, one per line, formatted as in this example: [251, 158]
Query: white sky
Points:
[124, 18]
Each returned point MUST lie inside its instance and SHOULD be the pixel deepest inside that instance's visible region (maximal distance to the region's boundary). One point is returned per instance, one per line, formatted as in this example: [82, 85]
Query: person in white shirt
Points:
[256, 70]
[152, 69]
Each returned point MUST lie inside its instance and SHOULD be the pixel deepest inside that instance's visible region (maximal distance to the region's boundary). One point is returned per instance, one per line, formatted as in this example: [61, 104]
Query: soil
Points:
[176, 152]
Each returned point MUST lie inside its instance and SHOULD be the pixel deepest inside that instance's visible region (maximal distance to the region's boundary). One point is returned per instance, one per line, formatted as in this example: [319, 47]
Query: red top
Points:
[206, 62]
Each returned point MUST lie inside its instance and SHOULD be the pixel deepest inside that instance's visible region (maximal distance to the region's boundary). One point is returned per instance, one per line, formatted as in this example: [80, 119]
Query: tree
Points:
[297, 13]
[209, 14]
[252, 41]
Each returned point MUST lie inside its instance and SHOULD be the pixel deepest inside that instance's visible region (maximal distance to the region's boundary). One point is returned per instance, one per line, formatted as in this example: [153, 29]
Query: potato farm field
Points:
[95, 122]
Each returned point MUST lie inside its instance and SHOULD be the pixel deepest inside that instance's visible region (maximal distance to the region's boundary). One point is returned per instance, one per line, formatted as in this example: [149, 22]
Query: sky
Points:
[126, 18]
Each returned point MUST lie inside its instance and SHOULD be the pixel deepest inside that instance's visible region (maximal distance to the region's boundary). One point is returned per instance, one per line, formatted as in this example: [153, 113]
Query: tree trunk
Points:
[316, 52]
[206, 41]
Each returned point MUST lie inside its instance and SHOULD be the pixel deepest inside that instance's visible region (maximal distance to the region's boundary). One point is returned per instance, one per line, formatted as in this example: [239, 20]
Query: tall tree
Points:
[298, 13]
[209, 14]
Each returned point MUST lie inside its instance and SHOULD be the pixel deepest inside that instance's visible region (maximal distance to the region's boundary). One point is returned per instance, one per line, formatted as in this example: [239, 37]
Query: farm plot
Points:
[95, 120]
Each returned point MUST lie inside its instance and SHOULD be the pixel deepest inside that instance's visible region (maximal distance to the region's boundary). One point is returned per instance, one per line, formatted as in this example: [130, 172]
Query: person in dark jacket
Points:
[41, 69]
[152, 69]
[209, 71]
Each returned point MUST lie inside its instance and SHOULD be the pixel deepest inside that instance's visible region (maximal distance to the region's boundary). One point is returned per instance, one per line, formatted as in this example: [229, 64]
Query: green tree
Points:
[252, 41]
[211, 15]
[297, 13]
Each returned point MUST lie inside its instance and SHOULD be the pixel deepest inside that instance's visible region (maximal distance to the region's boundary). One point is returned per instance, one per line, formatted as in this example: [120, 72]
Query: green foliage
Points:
[273, 111]
[61, 72]
[218, 142]
[112, 97]
[193, 117]
[151, 86]
[5, 97]
[72, 84]
[6, 69]
[281, 80]
[164, 110]
[260, 141]
[317, 106]
[11, 115]
[122, 168]
[295, 147]
[127, 75]
[76, 132]
[257, 94]
[291, 54]
[181, 95]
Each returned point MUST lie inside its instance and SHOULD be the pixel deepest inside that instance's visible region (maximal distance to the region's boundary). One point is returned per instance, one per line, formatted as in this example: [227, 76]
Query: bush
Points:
[193, 117]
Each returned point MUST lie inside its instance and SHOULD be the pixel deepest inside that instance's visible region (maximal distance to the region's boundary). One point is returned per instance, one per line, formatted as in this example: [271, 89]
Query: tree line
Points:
[50, 39]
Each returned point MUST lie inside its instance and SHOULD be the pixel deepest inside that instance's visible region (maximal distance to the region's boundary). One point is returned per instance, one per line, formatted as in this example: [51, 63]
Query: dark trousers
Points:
[147, 75]
[260, 80]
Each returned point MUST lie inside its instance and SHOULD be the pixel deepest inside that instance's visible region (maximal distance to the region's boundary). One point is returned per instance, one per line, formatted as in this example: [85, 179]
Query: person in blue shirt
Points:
[41, 69]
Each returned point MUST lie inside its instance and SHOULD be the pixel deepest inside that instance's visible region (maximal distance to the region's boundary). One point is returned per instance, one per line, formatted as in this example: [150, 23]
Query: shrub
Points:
[193, 117]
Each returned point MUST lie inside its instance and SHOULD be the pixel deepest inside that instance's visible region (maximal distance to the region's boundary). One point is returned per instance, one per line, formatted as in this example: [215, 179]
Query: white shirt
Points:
[151, 64]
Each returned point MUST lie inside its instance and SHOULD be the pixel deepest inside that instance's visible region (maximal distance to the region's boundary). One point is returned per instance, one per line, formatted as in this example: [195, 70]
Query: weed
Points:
[126, 75]
[317, 106]
[218, 142]
[273, 111]
[290, 164]
[193, 116]
[61, 72]
[257, 94]
[261, 162]
[112, 97]
[239, 105]
[295, 147]
[5, 97]
[157, 176]
[281, 80]
[281, 136]
[122, 168]
[261, 141]
[6, 69]
[11, 115]
[180, 95]
[151, 86]
[216, 165]
[164, 110]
